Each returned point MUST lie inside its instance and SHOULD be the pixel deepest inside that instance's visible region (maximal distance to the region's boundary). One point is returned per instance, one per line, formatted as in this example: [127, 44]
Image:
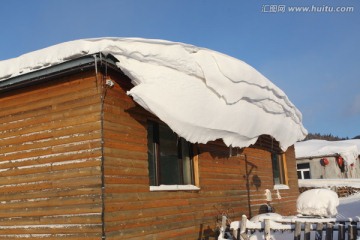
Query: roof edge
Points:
[65, 68]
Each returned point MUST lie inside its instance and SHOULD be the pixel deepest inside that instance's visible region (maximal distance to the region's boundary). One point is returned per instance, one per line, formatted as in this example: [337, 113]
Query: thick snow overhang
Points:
[347, 149]
[201, 94]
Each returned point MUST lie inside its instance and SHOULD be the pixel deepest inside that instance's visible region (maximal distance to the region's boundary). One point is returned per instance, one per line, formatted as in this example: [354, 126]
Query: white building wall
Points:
[332, 170]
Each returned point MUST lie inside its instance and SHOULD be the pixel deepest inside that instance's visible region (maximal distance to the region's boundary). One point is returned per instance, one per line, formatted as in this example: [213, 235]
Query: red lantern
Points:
[324, 162]
[340, 161]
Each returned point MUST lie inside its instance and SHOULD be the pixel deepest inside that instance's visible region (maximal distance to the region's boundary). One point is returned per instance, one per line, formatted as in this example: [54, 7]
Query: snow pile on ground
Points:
[263, 216]
[329, 183]
[348, 149]
[318, 202]
[201, 94]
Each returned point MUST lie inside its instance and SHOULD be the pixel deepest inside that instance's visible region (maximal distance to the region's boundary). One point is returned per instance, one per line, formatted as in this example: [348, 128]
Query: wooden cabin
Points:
[79, 159]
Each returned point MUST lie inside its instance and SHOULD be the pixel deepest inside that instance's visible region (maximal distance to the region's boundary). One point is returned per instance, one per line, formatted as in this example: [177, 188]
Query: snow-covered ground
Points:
[349, 207]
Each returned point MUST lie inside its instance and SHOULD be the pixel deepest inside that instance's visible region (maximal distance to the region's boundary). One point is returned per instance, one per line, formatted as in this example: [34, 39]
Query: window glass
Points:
[278, 169]
[169, 164]
[186, 153]
[170, 157]
[152, 154]
[303, 171]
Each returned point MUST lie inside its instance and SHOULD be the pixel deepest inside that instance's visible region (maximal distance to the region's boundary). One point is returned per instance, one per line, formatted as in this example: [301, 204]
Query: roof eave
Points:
[69, 67]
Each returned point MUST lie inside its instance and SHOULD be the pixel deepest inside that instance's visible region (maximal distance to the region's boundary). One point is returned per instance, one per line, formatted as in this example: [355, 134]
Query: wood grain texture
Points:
[50, 160]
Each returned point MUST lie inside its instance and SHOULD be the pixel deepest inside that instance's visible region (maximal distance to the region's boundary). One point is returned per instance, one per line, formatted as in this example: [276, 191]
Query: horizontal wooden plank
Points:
[51, 125]
[87, 218]
[51, 229]
[110, 179]
[78, 236]
[51, 202]
[52, 211]
[111, 152]
[49, 193]
[126, 171]
[124, 162]
[90, 145]
[54, 174]
[42, 185]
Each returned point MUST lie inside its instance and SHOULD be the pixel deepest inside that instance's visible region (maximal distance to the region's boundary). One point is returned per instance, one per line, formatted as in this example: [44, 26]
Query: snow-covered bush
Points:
[318, 202]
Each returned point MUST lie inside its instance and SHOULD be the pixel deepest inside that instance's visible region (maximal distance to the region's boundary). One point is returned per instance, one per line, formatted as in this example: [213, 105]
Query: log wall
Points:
[73, 165]
[232, 185]
[50, 160]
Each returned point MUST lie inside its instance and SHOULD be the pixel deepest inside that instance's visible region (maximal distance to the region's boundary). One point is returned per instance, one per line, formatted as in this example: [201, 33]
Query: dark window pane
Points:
[299, 175]
[169, 163]
[186, 162]
[276, 168]
[151, 154]
[303, 165]
[306, 174]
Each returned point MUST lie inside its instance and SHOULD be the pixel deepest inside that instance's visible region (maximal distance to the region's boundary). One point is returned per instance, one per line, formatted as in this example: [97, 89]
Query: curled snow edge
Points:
[203, 95]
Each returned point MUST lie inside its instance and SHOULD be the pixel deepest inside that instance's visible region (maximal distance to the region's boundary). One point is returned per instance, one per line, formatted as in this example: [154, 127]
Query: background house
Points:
[86, 155]
[321, 159]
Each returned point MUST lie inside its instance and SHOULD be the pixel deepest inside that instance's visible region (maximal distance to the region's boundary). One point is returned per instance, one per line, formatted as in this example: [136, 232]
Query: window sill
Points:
[174, 188]
[281, 187]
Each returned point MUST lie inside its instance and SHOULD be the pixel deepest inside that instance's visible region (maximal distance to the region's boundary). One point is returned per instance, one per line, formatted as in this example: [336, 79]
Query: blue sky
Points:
[314, 57]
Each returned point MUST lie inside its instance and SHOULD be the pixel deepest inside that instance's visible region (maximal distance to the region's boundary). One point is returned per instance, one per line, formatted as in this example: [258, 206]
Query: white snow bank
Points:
[348, 149]
[328, 183]
[201, 94]
[263, 216]
[318, 202]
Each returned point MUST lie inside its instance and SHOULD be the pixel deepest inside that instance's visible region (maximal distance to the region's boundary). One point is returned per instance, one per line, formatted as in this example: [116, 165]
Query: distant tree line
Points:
[328, 137]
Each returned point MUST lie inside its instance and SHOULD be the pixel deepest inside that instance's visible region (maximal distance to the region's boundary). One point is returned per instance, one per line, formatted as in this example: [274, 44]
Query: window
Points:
[303, 171]
[279, 169]
[170, 157]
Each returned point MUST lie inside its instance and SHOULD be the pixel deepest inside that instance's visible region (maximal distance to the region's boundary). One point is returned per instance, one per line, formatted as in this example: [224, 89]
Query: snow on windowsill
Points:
[174, 188]
[281, 187]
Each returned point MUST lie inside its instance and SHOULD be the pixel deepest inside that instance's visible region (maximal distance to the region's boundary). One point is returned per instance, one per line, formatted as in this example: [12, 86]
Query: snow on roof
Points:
[348, 149]
[201, 94]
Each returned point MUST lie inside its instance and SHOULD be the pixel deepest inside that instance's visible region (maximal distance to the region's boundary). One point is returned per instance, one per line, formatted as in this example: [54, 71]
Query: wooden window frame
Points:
[194, 159]
[283, 170]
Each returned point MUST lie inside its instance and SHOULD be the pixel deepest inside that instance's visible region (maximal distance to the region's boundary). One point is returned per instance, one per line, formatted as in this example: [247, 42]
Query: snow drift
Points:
[318, 202]
[201, 94]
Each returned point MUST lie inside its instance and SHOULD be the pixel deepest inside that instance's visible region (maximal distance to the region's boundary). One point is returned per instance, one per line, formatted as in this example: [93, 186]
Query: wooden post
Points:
[329, 231]
[352, 232]
[297, 232]
[307, 231]
[267, 229]
[341, 232]
[319, 231]
[223, 227]
[243, 232]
